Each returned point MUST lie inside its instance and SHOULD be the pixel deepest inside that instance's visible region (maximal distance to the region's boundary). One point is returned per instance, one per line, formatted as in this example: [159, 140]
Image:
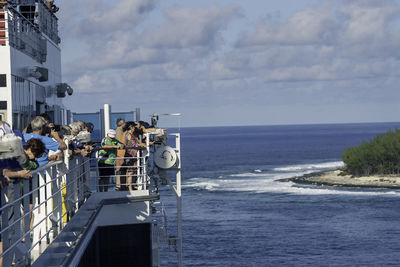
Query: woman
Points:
[132, 144]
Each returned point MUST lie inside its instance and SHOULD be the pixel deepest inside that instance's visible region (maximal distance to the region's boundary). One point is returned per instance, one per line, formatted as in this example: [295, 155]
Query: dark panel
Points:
[120, 245]
[3, 80]
[3, 104]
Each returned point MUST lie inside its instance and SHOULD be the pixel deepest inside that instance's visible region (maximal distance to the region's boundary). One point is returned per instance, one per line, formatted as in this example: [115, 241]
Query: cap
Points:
[111, 133]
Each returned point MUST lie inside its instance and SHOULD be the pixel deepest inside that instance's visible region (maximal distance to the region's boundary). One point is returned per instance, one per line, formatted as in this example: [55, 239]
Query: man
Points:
[39, 127]
[106, 159]
[120, 153]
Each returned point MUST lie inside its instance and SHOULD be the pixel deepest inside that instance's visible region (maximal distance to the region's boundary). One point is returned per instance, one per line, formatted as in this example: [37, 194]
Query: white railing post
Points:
[81, 174]
[48, 200]
[57, 200]
[87, 178]
[35, 213]
[179, 196]
[27, 216]
[75, 180]
[41, 229]
[70, 188]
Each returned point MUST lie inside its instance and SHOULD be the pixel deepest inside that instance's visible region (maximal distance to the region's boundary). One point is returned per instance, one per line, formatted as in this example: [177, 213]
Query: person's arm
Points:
[24, 174]
[56, 137]
[56, 156]
[120, 146]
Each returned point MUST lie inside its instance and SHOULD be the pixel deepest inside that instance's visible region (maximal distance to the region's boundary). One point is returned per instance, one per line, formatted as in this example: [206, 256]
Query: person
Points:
[33, 149]
[106, 159]
[132, 143]
[120, 128]
[39, 127]
[89, 127]
[119, 135]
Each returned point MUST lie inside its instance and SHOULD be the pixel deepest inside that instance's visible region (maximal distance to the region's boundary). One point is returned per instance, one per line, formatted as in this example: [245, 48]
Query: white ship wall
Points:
[21, 61]
[5, 68]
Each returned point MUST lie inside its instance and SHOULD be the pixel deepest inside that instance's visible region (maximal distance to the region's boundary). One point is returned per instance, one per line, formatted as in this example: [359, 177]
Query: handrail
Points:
[31, 218]
[23, 232]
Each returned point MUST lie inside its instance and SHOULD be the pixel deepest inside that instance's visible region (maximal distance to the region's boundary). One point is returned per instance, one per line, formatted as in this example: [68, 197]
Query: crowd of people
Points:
[119, 155]
[42, 142]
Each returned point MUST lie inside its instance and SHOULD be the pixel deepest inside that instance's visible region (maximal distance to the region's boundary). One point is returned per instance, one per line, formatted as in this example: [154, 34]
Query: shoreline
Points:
[331, 178]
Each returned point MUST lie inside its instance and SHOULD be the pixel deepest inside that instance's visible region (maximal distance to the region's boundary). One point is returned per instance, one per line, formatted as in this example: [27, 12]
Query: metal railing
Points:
[34, 211]
[25, 36]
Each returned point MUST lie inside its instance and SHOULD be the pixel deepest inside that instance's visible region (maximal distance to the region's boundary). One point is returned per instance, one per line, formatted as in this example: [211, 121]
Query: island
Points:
[374, 164]
[336, 178]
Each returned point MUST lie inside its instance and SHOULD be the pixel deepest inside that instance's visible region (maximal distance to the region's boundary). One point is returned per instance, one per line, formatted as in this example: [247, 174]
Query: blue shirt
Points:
[48, 142]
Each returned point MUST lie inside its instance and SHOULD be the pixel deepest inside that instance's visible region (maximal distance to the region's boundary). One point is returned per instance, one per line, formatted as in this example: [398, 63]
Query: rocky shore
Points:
[332, 178]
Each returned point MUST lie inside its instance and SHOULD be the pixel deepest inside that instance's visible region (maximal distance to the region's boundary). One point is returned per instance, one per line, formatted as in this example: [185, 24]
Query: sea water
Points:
[236, 212]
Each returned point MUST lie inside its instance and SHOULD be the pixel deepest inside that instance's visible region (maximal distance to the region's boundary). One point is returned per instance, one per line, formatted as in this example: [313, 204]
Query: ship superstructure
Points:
[30, 66]
[57, 218]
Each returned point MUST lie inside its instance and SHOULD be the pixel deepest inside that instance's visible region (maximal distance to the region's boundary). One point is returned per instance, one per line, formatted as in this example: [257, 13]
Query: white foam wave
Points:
[268, 182]
[316, 166]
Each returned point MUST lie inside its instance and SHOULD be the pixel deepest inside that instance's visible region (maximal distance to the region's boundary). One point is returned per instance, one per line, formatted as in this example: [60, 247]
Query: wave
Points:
[314, 166]
[268, 182]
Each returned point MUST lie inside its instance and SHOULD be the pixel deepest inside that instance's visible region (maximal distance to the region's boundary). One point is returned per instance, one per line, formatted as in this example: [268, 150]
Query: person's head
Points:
[129, 126]
[138, 131]
[111, 133]
[75, 127]
[120, 122]
[38, 124]
[46, 117]
[34, 148]
[82, 124]
[89, 127]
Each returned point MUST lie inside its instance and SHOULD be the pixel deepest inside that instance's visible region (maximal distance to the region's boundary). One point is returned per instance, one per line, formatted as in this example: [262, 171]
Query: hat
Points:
[111, 133]
[18, 133]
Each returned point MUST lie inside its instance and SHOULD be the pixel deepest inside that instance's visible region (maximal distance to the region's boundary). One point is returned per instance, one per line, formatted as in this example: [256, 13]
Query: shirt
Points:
[107, 156]
[49, 143]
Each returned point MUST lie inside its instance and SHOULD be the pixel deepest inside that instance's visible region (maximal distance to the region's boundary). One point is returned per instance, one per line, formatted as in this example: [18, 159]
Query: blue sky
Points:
[235, 62]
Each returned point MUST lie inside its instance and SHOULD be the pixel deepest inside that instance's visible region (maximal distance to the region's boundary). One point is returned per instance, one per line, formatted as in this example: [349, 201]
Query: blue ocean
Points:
[236, 212]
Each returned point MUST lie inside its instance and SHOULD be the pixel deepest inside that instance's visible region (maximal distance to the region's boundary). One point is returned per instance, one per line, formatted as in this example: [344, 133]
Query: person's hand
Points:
[52, 157]
[24, 174]
[54, 134]
[84, 153]
[6, 173]
[121, 146]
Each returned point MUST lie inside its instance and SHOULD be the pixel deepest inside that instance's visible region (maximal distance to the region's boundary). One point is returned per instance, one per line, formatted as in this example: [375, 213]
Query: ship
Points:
[58, 217]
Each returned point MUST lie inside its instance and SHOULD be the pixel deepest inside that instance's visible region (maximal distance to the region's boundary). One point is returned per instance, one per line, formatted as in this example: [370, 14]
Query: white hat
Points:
[111, 133]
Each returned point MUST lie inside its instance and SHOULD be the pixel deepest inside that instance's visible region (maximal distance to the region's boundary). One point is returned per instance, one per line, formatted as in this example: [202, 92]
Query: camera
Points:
[56, 128]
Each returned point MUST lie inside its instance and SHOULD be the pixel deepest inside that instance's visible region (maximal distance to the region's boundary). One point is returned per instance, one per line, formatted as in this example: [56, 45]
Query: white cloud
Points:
[335, 52]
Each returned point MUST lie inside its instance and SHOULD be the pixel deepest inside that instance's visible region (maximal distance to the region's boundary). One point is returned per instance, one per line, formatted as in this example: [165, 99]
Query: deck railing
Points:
[34, 211]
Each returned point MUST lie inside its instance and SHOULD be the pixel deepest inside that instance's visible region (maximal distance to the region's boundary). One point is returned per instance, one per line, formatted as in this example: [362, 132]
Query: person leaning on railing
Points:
[119, 135]
[18, 167]
[39, 127]
[129, 155]
[106, 159]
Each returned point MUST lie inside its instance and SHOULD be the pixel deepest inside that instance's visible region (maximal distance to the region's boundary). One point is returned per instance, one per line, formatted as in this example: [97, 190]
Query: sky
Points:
[226, 62]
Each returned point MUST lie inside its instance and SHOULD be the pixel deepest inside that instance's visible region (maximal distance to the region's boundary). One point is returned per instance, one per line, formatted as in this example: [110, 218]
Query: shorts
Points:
[105, 170]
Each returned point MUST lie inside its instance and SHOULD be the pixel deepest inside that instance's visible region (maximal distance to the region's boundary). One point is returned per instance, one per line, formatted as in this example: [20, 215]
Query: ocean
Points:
[236, 212]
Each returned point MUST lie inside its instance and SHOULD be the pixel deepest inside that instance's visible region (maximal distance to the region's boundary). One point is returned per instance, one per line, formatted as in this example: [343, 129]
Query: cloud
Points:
[335, 52]
[189, 27]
